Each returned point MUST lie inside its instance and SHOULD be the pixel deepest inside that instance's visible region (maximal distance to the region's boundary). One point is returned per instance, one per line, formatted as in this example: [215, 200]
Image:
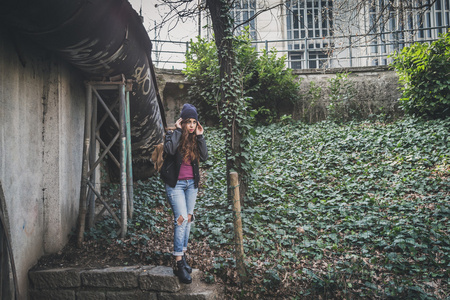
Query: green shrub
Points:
[263, 79]
[202, 68]
[342, 93]
[423, 70]
[310, 101]
[277, 88]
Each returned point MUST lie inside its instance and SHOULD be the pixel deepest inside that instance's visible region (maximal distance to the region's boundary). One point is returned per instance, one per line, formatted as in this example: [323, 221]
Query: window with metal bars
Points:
[309, 18]
[315, 59]
[244, 10]
[309, 23]
[405, 25]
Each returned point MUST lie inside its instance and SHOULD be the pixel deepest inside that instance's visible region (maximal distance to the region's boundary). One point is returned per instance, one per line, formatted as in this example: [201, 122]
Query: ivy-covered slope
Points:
[352, 211]
[360, 209]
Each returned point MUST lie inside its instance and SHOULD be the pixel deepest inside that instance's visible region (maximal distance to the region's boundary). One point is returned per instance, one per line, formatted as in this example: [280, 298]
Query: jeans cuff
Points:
[178, 253]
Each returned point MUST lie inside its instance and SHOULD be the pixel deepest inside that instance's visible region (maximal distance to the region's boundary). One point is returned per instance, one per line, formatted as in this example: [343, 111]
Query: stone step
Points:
[131, 282]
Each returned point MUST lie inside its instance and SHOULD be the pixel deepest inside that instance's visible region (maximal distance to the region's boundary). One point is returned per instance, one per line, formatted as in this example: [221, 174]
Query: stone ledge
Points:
[124, 283]
[52, 294]
[116, 277]
[56, 278]
[131, 295]
[160, 279]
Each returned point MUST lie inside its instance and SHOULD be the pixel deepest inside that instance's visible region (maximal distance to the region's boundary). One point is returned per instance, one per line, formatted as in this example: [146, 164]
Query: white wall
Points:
[170, 27]
[41, 135]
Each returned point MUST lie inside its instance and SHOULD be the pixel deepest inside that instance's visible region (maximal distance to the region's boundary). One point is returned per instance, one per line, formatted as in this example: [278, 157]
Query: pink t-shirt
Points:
[186, 171]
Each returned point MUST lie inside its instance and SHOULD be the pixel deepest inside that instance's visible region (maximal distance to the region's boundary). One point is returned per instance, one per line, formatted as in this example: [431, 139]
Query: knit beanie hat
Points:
[189, 112]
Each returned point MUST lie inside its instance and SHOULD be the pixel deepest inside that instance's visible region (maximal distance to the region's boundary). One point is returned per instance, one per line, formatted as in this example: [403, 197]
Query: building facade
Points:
[340, 33]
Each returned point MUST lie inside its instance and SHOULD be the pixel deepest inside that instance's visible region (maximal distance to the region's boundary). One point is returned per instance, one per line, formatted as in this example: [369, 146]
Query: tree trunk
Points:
[223, 34]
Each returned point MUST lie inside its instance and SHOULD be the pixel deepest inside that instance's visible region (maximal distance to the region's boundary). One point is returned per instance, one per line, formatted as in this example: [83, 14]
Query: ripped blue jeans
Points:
[182, 200]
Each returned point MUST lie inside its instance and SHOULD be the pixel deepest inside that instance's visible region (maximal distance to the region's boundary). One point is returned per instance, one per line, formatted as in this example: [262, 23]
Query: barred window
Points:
[242, 11]
[309, 18]
[424, 24]
[407, 25]
[315, 59]
[309, 24]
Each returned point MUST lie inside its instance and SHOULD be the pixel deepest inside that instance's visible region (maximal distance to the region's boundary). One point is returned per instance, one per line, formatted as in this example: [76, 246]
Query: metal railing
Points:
[313, 53]
[169, 54]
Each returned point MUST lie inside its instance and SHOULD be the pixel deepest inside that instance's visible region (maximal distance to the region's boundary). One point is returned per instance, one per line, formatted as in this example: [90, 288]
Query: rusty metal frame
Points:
[88, 193]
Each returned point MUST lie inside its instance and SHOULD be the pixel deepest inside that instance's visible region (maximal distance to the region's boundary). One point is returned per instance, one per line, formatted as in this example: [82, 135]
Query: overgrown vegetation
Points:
[350, 211]
[262, 80]
[424, 70]
[342, 105]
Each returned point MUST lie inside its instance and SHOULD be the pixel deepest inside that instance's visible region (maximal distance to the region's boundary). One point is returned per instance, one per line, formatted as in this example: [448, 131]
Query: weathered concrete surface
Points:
[173, 88]
[54, 279]
[159, 278]
[117, 277]
[376, 92]
[41, 134]
[134, 282]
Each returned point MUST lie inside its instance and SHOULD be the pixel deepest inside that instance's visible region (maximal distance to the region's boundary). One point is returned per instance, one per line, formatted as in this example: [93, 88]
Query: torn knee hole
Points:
[180, 220]
[191, 218]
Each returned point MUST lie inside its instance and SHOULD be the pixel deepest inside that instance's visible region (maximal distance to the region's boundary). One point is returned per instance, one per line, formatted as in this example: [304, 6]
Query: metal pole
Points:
[306, 54]
[7, 260]
[123, 160]
[92, 158]
[350, 54]
[129, 157]
[84, 178]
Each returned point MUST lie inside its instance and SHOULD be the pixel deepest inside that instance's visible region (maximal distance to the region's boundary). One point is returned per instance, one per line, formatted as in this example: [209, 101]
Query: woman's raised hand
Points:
[199, 129]
[178, 123]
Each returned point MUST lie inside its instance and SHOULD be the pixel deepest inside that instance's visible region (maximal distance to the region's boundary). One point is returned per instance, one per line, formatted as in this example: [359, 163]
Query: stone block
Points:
[91, 295]
[115, 277]
[159, 279]
[131, 295]
[46, 295]
[55, 278]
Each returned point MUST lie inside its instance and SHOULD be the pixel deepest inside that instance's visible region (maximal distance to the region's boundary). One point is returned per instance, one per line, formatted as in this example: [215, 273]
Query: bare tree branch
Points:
[262, 10]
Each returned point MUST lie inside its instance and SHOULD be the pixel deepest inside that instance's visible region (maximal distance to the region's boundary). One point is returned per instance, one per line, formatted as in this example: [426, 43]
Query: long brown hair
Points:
[157, 156]
[188, 144]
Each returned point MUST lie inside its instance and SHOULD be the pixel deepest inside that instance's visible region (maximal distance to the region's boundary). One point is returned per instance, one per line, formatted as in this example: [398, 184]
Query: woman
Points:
[183, 149]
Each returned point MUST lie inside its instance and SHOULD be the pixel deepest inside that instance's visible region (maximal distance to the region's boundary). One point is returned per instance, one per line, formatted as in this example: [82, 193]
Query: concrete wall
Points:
[376, 92]
[173, 88]
[41, 138]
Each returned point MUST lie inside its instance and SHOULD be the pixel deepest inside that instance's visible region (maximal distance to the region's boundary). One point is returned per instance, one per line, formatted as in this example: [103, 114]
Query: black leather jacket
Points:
[173, 159]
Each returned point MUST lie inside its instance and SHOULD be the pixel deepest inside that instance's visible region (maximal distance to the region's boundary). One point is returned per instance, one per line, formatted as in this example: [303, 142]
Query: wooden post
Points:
[238, 236]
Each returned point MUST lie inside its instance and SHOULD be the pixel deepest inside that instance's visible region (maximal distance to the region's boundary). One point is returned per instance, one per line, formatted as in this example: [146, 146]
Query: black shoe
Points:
[186, 266]
[181, 272]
